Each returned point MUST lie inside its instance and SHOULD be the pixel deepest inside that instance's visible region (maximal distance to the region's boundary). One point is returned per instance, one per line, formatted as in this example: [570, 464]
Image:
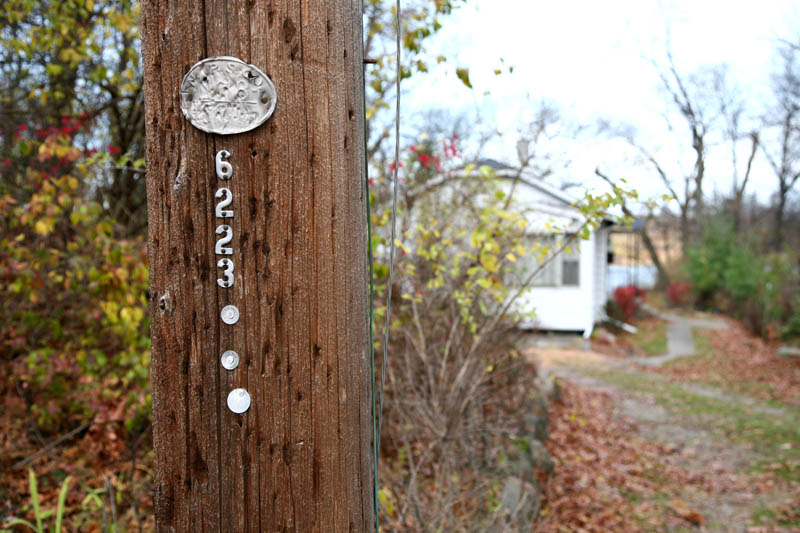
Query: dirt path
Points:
[740, 453]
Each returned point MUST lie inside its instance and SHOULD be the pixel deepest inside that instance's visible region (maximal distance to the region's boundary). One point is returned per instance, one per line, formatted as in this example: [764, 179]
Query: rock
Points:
[548, 385]
[519, 506]
[555, 390]
[537, 425]
[512, 493]
[540, 458]
[789, 352]
[604, 336]
[529, 461]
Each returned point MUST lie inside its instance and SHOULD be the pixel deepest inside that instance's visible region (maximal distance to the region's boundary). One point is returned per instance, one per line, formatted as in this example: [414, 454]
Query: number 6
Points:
[227, 264]
[220, 249]
[224, 169]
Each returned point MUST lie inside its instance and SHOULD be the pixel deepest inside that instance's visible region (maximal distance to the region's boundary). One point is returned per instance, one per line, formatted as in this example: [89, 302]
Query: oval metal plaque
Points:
[225, 95]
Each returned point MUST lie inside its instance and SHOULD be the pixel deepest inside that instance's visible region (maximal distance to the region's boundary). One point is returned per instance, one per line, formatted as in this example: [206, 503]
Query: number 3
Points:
[220, 249]
[227, 264]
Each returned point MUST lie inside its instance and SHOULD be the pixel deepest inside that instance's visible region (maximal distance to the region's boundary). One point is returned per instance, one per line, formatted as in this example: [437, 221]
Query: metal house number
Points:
[238, 399]
[224, 95]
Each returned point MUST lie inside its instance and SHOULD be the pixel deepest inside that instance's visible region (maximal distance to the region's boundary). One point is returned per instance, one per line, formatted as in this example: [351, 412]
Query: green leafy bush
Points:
[708, 262]
[730, 274]
[792, 327]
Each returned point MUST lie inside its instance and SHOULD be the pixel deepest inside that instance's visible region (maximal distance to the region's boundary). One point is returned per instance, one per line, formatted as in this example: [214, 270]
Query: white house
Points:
[569, 293]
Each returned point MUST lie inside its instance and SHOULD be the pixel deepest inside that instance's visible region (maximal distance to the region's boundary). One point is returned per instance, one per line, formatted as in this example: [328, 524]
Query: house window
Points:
[562, 270]
[548, 276]
[570, 271]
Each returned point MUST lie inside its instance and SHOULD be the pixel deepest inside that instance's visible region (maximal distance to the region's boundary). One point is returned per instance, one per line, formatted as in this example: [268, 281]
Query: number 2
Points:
[227, 198]
[220, 249]
[227, 264]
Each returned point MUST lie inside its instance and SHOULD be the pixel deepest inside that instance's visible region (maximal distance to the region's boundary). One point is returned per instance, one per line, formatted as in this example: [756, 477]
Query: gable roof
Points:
[525, 177]
[553, 205]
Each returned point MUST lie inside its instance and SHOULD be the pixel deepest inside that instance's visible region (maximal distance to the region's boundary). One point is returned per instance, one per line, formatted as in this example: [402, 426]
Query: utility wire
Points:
[377, 432]
[394, 227]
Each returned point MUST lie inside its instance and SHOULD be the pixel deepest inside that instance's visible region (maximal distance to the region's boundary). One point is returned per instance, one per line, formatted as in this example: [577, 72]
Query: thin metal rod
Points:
[394, 227]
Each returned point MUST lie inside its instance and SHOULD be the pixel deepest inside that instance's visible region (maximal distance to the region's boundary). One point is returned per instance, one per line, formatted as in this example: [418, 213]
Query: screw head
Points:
[230, 360]
[238, 401]
[230, 314]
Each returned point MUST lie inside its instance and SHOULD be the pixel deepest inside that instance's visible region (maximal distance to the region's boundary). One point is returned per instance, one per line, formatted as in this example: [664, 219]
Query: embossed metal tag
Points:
[225, 95]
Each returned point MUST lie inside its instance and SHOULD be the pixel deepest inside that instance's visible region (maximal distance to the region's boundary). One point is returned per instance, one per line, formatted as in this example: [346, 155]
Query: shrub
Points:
[792, 327]
[454, 379]
[455, 389]
[613, 311]
[678, 293]
[729, 273]
[627, 300]
[73, 296]
[742, 274]
[707, 263]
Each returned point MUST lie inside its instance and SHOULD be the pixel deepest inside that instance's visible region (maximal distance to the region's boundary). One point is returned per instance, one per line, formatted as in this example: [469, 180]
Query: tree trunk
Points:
[696, 233]
[300, 458]
[780, 211]
[685, 231]
[664, 280]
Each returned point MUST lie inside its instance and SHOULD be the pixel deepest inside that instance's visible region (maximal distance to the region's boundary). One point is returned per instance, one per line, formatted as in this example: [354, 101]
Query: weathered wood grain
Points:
[300, 458]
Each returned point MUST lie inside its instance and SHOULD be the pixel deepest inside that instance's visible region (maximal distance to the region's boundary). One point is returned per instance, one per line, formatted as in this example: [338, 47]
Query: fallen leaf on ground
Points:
[687, 513]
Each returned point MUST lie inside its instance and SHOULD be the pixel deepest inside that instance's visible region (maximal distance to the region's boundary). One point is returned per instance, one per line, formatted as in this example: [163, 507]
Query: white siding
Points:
[600, 270]
[564, 308]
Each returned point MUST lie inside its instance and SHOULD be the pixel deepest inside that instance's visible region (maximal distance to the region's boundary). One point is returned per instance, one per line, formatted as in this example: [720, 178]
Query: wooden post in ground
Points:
[299, 459]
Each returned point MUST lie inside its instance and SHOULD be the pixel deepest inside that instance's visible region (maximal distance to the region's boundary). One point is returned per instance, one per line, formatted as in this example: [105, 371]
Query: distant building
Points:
[570, 292]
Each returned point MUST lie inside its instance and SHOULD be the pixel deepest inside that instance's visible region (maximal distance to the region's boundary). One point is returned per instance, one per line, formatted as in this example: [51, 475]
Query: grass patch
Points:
[702, 344]
[764, 515]
[651, 337]
[773, 438]
[657, 300]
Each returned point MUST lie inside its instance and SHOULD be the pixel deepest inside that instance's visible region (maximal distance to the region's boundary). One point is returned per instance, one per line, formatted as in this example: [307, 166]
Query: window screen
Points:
[562, 270]
[570, 271]
[548, 276]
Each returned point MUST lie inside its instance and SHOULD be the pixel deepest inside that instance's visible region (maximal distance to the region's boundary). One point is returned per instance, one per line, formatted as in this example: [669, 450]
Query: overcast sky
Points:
[594, 60]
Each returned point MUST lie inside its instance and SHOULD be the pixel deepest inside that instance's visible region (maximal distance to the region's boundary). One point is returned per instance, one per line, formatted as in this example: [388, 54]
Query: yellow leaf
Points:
[385, 499]
[463, 75]
[511, 257]
[42, 228]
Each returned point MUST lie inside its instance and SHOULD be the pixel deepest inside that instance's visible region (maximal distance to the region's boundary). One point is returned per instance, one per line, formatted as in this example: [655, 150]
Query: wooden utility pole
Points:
[299, 459]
